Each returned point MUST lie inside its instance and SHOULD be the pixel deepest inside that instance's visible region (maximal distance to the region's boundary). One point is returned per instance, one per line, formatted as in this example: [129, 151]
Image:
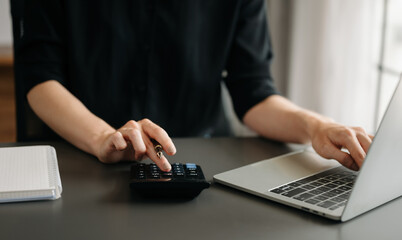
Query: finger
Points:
[135, 137]
[371, 136]
[363, 138]
[160, 135]
[161, 162]
[332, 152]
[347, 161]
[118, 141]
[349, 140]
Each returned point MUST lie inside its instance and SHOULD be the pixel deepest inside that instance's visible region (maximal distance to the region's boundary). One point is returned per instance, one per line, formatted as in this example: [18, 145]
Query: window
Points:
[390, 64]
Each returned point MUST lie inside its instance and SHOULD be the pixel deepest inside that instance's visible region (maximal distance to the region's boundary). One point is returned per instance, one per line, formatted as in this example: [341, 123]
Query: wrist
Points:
[312, 123]
[97, 140]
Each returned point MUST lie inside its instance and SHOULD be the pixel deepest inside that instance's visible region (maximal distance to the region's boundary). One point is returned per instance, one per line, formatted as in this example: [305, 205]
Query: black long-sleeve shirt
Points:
[156, 59]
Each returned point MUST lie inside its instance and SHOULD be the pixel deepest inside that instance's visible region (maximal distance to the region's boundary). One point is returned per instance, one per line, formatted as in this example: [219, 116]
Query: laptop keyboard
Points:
[329, 189]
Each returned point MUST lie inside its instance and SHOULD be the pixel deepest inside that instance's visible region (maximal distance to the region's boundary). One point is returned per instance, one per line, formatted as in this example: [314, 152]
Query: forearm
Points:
[67, 116]
[279, 119]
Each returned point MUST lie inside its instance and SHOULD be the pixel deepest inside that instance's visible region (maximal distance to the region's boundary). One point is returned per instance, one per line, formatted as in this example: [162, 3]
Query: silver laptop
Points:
[306, 181]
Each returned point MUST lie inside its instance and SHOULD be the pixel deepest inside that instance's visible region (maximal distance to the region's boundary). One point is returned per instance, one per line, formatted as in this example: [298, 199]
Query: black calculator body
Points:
[183, 181]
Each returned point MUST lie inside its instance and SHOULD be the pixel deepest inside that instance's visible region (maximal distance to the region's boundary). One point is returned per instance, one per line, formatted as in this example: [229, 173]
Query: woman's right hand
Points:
[132, 142]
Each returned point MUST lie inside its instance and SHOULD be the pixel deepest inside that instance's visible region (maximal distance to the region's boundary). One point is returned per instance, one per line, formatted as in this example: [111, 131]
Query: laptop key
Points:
[344, 188]
[277, 190]
[323, 180]
[345, 195]
[311, 178]
[294, 192]
[315, 192]
[331, 185]
[321, 198]
[350, 184]
[329, 194]
[295, 184]
[303, 181]
[337, 191]
[286, 188]
[324, 189]
[313, 201]
[338, 182]
[326, 204]
[337, 199]
[349, 178]
[316, 184]
[338, 175]
[335, 207]
[331, 178]
[308, 186]
[304, 196]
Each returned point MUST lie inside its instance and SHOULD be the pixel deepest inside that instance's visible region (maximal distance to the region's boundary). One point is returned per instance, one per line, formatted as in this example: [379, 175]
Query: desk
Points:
[6, 55]
[96, 203]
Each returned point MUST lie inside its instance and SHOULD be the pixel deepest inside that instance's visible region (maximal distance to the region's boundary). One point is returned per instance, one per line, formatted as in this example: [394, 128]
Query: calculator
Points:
[185, 180]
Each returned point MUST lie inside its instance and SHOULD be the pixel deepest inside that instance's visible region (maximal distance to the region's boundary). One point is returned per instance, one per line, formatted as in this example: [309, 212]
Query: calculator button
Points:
[140, 176]
[177, 165]
[191, 166]
[179, 174]
[155, 175]
[167, 175]
[192, 175]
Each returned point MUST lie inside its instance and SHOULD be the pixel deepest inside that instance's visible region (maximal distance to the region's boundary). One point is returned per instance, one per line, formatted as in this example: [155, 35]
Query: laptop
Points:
[304, 180]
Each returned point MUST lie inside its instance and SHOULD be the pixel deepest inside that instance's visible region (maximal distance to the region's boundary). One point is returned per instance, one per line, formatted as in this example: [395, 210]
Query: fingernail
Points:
[167, 166]
[172, 149]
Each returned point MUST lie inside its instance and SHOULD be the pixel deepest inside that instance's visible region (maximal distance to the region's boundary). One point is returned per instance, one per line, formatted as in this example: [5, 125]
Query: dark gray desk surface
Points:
[96, 203]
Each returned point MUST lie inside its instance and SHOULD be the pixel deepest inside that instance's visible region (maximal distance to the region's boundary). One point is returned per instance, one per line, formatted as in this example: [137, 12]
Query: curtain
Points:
[333, 57]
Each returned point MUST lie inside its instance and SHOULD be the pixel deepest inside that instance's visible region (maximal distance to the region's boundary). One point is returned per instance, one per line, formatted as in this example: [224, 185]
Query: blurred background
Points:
[340, 58]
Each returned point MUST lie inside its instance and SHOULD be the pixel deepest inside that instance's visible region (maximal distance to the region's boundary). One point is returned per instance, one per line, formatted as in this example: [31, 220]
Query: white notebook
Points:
[29, 173]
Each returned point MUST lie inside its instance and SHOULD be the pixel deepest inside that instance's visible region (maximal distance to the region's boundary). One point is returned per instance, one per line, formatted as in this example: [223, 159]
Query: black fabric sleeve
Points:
[249, 80]
[39, 52]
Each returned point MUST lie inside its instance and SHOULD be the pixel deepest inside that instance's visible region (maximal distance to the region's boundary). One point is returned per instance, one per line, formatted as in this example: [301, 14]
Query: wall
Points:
[5, 23]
